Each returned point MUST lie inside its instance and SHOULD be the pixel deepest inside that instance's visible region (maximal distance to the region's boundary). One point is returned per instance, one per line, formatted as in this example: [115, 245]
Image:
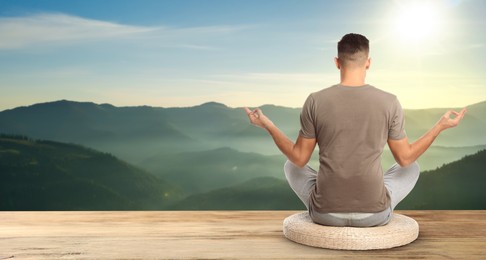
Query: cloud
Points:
[58, 28]
[20, 32]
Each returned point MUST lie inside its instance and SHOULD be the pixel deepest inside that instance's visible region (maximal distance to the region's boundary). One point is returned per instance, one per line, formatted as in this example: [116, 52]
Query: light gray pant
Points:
[399, 181]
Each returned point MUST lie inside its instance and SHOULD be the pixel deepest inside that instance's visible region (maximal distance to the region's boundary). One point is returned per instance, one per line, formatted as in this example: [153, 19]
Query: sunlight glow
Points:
[416, 23]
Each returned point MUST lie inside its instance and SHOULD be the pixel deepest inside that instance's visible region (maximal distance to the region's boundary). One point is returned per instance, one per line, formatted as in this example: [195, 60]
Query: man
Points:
[351, 122]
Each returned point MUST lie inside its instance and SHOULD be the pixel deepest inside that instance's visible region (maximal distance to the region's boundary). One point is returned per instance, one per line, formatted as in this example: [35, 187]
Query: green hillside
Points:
[457, 185]
[203, 171]
[45, 175]
[264, 193]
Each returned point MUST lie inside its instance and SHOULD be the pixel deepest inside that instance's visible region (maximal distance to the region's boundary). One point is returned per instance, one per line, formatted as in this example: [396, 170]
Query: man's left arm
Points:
[298, 153]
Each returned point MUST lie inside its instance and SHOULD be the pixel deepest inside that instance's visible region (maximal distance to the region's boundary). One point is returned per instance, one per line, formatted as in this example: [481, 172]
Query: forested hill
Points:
[457, 185]
[46, 175]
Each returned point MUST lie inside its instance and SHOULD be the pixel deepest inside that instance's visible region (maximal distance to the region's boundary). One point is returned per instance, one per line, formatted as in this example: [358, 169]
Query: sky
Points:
[240, 53]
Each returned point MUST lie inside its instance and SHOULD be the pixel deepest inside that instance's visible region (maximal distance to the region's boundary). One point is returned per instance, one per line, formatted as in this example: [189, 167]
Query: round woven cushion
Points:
[401, 230]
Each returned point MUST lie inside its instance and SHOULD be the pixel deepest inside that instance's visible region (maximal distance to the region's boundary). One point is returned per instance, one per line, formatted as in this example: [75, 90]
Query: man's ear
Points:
[336, 61]
[368, 63]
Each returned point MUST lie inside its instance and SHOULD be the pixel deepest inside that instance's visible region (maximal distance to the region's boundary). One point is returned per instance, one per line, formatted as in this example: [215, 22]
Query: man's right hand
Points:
[406, 153]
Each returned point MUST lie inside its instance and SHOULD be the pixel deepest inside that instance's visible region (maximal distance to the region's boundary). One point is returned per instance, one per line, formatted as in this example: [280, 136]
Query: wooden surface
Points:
[214, 234]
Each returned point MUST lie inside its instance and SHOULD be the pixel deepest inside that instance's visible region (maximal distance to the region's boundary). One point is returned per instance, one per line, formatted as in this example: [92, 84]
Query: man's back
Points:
[351, 125]
[351, 122]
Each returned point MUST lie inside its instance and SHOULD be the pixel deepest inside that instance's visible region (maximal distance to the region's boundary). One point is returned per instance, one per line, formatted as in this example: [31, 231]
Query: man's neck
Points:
[353, 78]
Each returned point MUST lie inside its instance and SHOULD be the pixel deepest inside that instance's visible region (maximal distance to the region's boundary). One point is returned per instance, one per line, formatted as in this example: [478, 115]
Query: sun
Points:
[417, 22]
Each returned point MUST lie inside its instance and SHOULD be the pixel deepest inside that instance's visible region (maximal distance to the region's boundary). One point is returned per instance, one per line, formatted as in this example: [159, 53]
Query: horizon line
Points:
[201, 104]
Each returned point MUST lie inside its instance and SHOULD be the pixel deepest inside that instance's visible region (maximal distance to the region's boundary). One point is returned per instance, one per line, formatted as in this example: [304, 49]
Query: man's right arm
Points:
[406, 153]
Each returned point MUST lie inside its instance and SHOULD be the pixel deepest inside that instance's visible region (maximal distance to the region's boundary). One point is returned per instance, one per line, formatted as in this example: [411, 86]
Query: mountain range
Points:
[136, 134]
[187, 154]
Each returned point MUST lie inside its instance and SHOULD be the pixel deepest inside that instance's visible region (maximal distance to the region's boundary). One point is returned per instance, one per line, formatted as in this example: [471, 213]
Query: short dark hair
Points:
[353, 47]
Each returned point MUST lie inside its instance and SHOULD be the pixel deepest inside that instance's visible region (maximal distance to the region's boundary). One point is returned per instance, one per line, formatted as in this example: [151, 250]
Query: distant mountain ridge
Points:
[210, 118]
[133, 133]
[141, 132]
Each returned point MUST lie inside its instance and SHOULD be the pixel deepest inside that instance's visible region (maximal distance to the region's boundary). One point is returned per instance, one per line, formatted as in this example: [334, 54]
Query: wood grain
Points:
[214, 235]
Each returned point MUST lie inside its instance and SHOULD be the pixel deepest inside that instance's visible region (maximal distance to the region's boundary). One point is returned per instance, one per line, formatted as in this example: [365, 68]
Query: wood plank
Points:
[213, 234]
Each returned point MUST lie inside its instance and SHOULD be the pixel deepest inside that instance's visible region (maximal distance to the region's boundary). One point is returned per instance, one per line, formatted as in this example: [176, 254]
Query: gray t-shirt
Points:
[351, 125]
